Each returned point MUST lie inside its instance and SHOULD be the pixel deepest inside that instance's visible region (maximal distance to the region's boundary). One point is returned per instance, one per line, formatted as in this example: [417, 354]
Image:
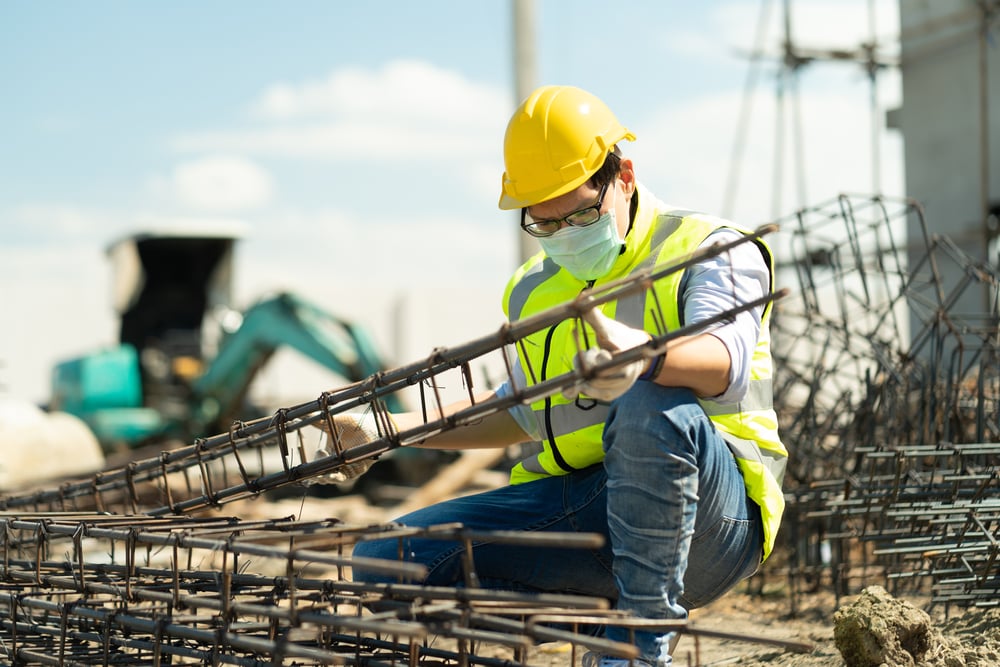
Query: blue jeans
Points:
[669, 499]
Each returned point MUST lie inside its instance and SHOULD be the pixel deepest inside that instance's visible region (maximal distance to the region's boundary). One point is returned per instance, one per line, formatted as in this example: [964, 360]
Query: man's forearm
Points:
[498, 429]
[699, 362]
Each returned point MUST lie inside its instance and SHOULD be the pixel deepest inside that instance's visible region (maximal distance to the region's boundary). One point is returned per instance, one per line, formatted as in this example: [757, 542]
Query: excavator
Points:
[185, 359]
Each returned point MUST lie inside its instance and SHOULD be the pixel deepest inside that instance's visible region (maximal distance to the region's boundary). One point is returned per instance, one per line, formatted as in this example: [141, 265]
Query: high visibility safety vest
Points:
[572, 430]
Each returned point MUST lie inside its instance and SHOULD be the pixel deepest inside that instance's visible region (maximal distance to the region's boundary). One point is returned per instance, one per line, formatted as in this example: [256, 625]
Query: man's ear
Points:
[626, 172]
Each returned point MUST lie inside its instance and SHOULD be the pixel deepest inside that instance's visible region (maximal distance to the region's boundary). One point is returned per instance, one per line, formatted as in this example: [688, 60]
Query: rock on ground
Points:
[878, 630]
[871, 628]
[37, 447]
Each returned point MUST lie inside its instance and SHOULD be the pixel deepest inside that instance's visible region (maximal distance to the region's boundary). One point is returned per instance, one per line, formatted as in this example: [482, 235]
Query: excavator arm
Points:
[276, 322]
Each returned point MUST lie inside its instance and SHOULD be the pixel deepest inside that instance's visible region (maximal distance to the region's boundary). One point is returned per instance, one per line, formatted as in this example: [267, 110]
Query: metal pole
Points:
[525, 80]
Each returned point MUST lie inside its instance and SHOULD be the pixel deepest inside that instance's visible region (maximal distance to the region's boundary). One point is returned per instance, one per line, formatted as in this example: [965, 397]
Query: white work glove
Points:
[353, 429]
[612, 336]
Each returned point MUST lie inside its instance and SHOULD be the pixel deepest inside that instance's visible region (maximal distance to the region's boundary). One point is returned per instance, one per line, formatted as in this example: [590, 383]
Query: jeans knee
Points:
[677, 405]
[655, 416]
[375, 549]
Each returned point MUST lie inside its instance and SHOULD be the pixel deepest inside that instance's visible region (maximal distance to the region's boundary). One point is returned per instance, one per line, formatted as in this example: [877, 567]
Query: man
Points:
[678, 461]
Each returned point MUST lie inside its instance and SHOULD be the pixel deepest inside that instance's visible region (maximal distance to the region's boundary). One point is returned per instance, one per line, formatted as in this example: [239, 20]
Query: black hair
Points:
[608, 171]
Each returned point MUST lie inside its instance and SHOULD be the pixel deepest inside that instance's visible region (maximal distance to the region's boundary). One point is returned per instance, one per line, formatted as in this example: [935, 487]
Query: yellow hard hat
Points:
[556, 140]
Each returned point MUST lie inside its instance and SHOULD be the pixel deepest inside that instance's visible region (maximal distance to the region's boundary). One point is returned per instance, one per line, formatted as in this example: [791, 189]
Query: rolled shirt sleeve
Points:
[721, 283]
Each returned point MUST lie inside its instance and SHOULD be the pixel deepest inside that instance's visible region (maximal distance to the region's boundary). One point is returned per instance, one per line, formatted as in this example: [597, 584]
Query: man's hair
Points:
[608, 171]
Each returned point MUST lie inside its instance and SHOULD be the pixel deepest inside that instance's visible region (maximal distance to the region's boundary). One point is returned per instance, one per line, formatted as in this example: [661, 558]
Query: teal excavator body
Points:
[185, 360]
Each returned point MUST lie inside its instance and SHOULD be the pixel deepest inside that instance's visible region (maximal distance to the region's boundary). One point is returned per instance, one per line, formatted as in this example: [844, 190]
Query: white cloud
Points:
[401, 90]
[353, 139]
[37, 222]
[407, 110]
[222, 183]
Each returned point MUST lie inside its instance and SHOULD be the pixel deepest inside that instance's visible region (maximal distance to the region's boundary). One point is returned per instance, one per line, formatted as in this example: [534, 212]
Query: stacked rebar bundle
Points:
[134, 565]
[120, 589]
[114, 589]
[889, 392]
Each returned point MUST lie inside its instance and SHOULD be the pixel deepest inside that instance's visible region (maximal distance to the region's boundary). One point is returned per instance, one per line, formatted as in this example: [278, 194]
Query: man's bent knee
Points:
[374, 549]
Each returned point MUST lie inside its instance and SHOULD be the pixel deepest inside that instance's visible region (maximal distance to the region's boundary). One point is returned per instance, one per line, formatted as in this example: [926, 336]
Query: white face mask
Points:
[586, 252]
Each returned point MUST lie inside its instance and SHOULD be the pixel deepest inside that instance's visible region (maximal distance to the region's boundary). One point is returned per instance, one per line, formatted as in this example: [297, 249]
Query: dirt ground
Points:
[746, 617]
[765, 617]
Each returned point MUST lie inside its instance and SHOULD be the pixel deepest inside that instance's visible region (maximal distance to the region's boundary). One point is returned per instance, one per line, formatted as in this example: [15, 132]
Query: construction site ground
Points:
[759, 608]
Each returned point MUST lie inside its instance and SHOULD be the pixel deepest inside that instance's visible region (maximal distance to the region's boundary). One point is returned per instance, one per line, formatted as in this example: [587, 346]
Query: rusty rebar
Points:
[888, 389]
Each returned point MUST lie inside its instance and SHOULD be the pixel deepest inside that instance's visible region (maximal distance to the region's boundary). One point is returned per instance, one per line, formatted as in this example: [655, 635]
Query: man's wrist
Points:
[653, 369]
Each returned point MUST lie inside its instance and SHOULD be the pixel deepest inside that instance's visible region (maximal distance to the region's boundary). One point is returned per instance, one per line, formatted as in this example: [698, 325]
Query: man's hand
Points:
[352, 429]
[612, 336]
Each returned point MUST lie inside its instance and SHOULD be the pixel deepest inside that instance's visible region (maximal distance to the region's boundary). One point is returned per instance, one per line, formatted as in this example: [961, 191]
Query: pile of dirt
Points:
[880, 630]
[874, 629]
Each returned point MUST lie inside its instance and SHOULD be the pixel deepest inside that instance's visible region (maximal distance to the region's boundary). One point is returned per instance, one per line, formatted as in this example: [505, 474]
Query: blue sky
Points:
[359, 145]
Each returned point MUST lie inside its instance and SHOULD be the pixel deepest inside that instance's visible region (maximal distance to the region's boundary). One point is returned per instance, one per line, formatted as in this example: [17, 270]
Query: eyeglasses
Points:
[581, 218]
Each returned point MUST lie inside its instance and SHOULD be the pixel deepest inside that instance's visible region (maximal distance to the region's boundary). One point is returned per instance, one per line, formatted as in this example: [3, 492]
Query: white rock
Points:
[36, 446]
